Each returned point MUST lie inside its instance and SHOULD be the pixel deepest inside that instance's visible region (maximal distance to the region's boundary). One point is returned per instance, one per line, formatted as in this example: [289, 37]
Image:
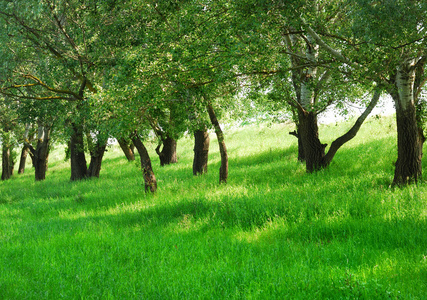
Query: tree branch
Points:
[353, 130]
[325, 46]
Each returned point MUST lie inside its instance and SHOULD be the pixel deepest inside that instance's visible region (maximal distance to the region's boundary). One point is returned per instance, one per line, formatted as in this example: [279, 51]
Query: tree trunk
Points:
[23, 159]
[147, 170]
[410, 139]
[127, 149]
[223, 170]
[201, 151]
[314, 150]
[96, 156]
[77, 155]
[168, 154]
[7, 159]
[40, 155]
[301, 156]
[41, 159]
[25, 149]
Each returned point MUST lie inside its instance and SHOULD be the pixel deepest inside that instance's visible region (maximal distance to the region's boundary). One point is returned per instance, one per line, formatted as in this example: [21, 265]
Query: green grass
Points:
[273, 232]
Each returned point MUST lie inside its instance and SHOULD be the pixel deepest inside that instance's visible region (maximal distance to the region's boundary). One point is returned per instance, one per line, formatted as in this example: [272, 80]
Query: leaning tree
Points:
[385, 42]
[290, 64]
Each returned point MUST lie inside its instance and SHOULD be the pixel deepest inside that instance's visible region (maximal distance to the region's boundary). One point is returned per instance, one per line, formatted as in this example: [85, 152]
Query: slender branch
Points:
[38, 82]
[58, 91]
[328, 48]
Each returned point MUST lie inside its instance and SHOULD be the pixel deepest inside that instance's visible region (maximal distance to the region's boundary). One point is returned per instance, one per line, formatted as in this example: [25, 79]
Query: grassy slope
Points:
[272, 232]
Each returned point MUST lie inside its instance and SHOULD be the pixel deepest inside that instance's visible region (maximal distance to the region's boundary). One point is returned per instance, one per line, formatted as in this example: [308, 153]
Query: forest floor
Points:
[272, 232]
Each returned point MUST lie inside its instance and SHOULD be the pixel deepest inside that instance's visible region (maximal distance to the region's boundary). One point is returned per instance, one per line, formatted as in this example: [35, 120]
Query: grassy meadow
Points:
[273, 232]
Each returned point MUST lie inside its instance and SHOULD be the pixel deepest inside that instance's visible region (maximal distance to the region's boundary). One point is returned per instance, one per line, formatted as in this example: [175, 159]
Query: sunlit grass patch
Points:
[272, 232]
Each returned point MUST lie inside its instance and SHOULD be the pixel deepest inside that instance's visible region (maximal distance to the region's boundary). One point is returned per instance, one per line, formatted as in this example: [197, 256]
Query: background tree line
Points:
[80, 72]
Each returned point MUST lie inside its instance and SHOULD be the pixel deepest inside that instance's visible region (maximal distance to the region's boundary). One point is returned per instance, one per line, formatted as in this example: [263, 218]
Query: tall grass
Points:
[273, 232]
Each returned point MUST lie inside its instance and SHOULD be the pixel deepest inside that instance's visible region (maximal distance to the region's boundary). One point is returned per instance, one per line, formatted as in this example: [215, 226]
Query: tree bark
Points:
[223, 170]
[77, 155]
[40, 155]
[201, 151]
[7, 159]
[410, 138]
[147, 170]
[41, 159]
[96, 155]
[314, 150]
[301, 156]
[168, 154]
[23, 159]
[127, 149]
[25, 150]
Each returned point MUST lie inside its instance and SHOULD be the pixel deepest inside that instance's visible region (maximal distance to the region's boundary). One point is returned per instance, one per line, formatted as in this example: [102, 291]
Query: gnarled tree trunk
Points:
[40, 155]
[316, 158]
[201, 151]
[168, 154]
[314, 150]
[127, 148]
[223, 170]
[77, 155]
[96, 155]
[147, 170]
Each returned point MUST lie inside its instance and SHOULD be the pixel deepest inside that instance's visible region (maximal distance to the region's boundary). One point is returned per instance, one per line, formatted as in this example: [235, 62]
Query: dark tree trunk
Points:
[147, 170]
[301, 156]
[77, 155]
[201, 151]
[127, 149]
[96, 156]
[168, 154]
[41, 159]
[314, 150]
[40, 155]
[410, 141]
[23, 159]
[25, 149]
[7, 161]
[223, 170]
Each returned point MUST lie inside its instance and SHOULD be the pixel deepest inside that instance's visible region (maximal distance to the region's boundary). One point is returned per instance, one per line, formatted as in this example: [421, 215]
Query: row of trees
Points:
[83, 71]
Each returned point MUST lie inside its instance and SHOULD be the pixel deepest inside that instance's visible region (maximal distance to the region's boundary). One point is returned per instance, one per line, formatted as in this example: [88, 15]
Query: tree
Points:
[59, 41]
[385, 41]
[399, 40]
[294, 57]
[176, 55]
